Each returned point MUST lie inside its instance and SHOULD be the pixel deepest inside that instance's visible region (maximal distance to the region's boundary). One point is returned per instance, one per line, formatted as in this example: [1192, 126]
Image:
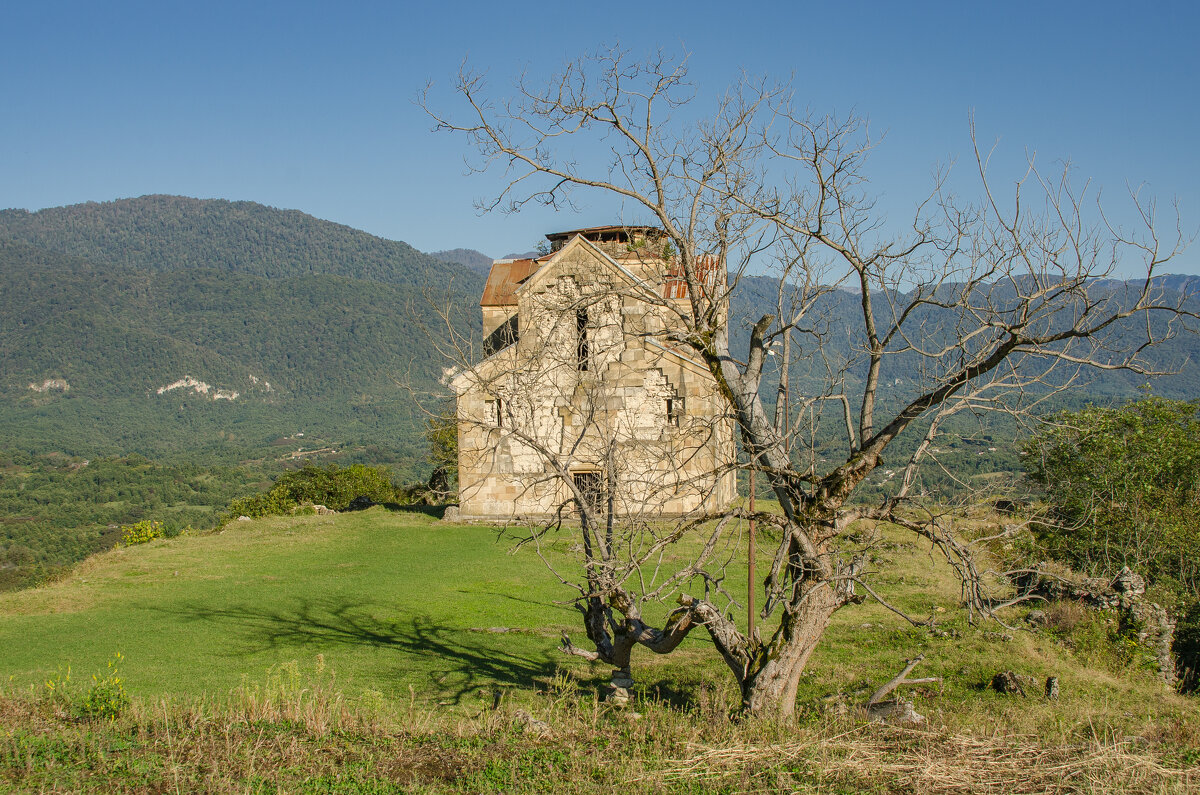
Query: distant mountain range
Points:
[196, 329]
[477, 260]
[467, 257]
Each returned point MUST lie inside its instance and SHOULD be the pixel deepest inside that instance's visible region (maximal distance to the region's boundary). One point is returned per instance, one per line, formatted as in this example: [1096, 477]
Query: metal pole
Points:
[750, 571]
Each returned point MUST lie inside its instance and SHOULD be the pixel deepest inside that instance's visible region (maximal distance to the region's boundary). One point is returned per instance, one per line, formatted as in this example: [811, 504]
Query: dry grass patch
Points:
[561, 741]
[891, 759]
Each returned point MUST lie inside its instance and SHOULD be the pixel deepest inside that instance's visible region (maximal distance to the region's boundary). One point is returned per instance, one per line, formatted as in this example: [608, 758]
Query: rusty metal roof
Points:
[585, 231]
[504, 279]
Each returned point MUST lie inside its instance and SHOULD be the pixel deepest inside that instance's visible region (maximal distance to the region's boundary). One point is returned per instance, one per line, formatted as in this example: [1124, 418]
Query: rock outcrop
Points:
[1125, 594]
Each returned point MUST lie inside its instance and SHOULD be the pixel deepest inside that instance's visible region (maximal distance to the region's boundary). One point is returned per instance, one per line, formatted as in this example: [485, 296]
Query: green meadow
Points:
[391, 652]
[392, 601]
[404, 605]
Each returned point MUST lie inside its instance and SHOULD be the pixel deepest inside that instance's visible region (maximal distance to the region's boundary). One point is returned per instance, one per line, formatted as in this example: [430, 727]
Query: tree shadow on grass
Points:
[468, 659]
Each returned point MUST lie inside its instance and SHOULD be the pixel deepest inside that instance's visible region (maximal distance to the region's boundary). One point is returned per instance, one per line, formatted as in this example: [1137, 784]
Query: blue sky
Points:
[311, 105]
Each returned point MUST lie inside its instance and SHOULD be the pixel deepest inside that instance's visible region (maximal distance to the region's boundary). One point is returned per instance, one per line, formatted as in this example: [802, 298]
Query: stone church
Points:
[581, 393]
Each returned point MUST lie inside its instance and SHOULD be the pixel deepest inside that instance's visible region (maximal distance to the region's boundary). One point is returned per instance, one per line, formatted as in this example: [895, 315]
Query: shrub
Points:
[1123, 486]
[335, 487]
[105, 699]
[331, 486]
[441, 434]
[141, 532]
[275, 502]
[1063, 617]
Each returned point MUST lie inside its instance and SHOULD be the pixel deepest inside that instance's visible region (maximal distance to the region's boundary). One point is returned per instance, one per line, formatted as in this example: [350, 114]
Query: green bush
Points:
[441, 434]
[275, 502]
[334, 487]
[141, 532]
[331, 486]
[105, 699]
[1123, 488]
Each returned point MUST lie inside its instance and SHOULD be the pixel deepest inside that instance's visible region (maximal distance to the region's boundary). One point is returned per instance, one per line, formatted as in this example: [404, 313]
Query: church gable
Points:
[586, 263]
[578, 379]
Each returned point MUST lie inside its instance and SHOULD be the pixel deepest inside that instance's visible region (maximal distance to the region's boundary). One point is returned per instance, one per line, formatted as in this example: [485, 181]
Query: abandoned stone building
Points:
[581, 393]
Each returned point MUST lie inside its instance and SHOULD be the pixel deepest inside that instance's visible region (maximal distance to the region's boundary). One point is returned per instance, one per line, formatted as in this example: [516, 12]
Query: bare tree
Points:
[577, 412]
[970, 308]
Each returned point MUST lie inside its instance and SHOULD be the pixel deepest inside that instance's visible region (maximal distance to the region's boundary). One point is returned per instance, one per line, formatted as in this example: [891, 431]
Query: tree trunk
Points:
[774, 673]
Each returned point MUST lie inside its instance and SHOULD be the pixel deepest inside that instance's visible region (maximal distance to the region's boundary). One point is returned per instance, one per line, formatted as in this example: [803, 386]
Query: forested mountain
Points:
[169, 233]
[467, 257]
[972, 445]
[108, 359]
[187, 329]
[201, 335]
[128, 327]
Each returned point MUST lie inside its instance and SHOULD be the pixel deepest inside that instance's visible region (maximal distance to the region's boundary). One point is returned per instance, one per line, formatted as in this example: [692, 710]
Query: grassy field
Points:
[380, 652]
[391, 600]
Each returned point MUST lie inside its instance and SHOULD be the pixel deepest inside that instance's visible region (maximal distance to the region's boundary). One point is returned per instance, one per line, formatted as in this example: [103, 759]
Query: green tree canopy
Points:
[1124, 489]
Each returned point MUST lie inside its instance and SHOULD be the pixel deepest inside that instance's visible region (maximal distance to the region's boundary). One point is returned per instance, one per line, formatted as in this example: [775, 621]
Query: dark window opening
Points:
[590, 486]
[674, 411]
[505, 334]
[495, 412]
[581, 348]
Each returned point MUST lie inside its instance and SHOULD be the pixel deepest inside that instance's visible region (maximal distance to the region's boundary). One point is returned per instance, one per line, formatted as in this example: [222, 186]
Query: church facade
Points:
[582, 394]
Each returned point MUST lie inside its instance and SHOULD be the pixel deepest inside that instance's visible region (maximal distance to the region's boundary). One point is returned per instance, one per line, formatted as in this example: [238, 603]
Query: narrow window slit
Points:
[581, 336]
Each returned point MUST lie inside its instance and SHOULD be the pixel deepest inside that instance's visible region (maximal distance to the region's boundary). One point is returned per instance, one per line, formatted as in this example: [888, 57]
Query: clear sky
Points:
[310, 106]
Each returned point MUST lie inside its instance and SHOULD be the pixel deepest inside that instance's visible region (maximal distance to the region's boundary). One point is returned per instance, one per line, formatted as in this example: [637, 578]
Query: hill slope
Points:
[386, 597]
[109, 359]
[169, 233]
